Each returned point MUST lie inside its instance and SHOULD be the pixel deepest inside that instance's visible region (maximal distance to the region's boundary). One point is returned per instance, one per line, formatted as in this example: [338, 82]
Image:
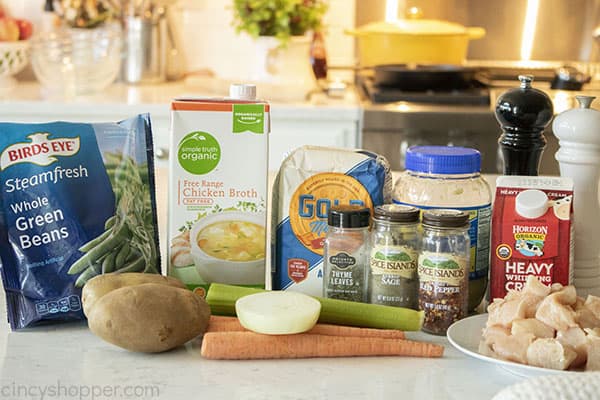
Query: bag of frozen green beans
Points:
[76, 200]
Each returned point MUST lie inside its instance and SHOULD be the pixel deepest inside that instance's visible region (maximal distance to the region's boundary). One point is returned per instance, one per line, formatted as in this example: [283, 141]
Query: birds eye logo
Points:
[41, 150]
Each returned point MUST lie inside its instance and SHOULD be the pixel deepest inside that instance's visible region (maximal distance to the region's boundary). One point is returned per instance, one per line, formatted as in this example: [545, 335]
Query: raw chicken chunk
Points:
[535, 287]
[549, 327]
[531, 325]
[566, 296]
[553, 313]
[593, 355]
[512, 295]
[504, 312]
[594, 332]
[491, 333]
[489, 337]
[556, 287]
[576, 339]
[513, 347]
[485, 349]
[586, 319]
[592, 303]
[530, 304]
[550, 353]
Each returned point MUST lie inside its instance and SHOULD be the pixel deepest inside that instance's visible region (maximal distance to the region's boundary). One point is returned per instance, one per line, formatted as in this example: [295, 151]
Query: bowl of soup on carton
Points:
[230, 247]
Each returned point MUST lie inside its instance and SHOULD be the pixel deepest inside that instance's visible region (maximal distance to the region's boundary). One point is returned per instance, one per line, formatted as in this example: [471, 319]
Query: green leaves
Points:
[279, 18]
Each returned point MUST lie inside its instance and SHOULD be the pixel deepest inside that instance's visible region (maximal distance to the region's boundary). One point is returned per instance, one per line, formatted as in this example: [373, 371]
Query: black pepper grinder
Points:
[523, 114]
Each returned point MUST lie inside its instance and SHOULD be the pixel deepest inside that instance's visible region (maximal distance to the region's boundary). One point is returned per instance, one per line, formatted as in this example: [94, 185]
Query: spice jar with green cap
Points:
[346, 253]
[394, 243]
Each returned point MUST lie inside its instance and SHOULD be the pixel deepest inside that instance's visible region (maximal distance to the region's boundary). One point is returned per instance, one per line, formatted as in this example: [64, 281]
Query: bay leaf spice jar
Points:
[394, 243]
[443, 268]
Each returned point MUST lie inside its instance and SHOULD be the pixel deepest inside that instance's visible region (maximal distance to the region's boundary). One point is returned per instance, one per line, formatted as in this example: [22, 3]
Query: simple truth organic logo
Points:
[41, 150]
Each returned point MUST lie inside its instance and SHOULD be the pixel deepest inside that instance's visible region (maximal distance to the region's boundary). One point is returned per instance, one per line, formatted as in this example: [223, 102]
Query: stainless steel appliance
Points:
[389, 129]
[395, 120]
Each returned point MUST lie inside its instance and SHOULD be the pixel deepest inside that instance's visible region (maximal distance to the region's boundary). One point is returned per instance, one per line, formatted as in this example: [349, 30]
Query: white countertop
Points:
[121, 99]
[69, 356]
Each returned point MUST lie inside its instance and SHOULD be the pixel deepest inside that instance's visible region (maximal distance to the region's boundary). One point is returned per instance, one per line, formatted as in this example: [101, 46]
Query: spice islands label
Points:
[446, 268]
[312, 200]
[394, 260]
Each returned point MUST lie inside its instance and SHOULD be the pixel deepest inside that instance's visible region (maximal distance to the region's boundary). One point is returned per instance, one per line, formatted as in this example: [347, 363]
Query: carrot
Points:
[232, 324]
[353, 331]
[221, 323]
[253, 346]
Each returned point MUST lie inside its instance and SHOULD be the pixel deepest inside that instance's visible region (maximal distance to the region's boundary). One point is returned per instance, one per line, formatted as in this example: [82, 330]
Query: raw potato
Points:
[278, 312]
[149, 318]
[100, 285]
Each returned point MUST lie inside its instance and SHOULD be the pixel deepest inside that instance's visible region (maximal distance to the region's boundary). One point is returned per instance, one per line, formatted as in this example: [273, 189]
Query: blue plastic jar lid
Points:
[443, 160]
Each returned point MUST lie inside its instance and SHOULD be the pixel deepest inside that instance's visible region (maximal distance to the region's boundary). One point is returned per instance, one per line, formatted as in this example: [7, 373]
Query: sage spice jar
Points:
[394, 243]
[443, 269]
[346, 255]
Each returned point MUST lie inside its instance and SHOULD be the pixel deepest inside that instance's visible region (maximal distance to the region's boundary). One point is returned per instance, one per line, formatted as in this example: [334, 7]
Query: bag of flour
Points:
[309, 182]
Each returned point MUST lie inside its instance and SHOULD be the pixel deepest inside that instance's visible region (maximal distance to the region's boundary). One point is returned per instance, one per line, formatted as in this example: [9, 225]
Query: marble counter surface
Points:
[70, 360]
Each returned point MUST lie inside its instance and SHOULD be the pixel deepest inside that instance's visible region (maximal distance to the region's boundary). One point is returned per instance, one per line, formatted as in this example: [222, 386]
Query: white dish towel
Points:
[580, 386]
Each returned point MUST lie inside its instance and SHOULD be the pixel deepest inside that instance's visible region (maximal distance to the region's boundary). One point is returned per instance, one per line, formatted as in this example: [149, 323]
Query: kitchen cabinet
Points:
[324, 122]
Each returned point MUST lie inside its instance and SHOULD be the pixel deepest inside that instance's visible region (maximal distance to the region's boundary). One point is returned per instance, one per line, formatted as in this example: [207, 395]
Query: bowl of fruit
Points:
[14, 48]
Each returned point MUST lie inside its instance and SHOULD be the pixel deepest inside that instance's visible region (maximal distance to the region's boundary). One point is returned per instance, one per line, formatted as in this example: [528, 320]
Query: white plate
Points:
[465, 336]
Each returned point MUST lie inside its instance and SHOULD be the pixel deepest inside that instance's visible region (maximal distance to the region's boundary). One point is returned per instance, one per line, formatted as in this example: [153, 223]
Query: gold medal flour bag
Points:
[76, 200]
[310, 181]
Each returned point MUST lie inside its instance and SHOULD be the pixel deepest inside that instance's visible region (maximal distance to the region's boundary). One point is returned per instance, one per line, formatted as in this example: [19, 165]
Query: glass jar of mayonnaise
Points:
[450, 177]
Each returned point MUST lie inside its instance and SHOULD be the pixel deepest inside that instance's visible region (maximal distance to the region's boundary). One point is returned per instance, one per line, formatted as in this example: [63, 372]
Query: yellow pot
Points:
[414, 41]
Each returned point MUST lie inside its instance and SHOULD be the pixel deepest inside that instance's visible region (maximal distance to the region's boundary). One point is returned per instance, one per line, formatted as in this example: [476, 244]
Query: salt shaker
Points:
[579, 158]
[523, 114]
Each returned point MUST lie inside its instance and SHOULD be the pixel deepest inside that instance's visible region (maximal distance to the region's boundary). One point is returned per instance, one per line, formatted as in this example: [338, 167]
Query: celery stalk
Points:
[222, 298]
[343, 312]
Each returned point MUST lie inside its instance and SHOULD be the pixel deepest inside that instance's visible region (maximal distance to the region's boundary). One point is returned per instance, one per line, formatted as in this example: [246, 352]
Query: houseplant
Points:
[281, 19]
[280, 29]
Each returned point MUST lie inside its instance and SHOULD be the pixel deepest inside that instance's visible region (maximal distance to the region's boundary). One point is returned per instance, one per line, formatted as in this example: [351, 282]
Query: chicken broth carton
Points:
[532, 232]
[218, 190]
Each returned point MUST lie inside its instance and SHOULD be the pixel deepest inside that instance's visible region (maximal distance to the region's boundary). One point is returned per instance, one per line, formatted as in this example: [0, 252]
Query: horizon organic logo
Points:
[41, 150]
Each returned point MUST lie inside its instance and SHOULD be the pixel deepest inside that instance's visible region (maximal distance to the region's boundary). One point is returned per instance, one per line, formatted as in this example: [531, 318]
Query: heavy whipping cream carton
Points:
[218, 190]
[309, 182]
[532, 232]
